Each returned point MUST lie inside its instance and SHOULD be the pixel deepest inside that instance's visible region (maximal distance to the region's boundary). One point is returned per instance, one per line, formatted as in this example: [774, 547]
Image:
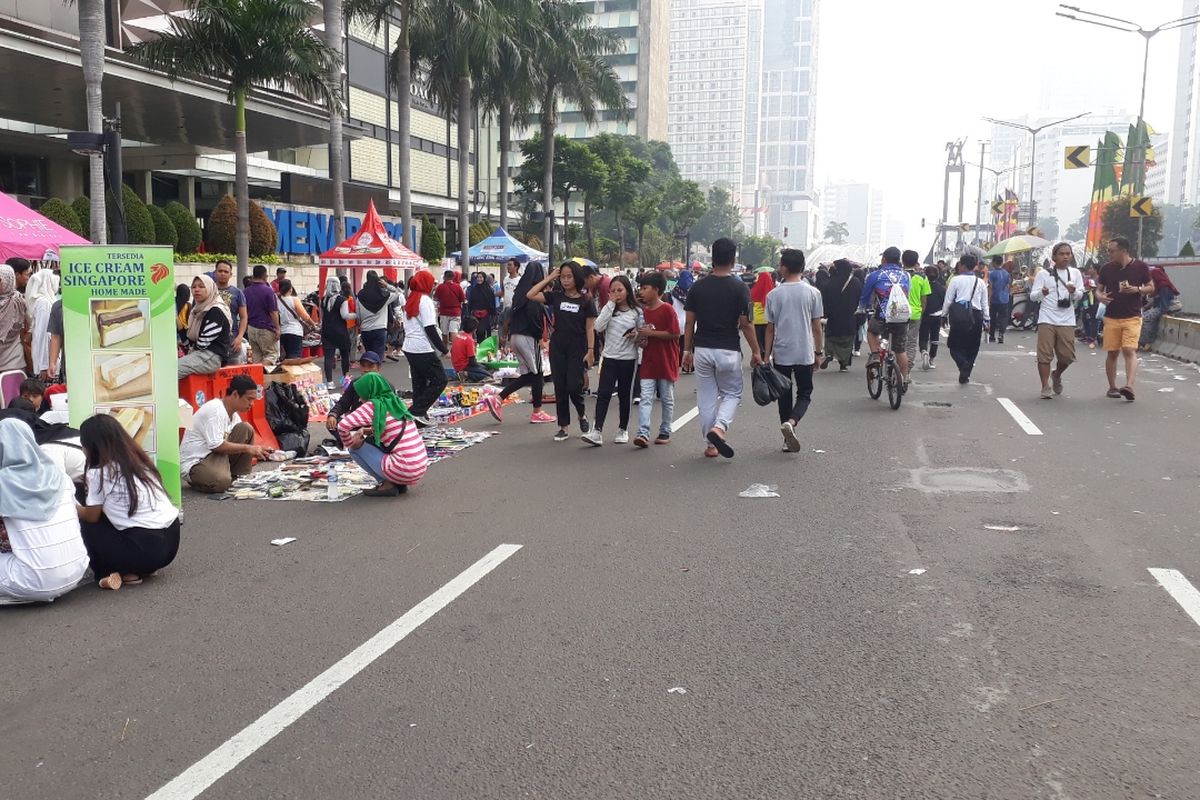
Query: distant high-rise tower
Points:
[716, 70]
[642, 67]
[1183, 178]
[787, 123]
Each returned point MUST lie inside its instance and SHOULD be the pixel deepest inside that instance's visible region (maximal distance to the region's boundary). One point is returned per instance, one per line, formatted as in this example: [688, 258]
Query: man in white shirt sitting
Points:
[1058, 289]
[219, 447]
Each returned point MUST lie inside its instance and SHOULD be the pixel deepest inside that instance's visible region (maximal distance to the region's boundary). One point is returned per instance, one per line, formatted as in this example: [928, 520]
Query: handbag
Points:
[962, 315]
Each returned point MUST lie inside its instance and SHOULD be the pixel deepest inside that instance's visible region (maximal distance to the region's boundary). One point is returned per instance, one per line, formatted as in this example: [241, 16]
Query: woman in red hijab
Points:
[423, 346]
[758, 297]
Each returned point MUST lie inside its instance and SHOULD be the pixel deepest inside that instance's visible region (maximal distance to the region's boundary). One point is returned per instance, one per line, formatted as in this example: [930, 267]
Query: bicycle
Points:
[885, 373]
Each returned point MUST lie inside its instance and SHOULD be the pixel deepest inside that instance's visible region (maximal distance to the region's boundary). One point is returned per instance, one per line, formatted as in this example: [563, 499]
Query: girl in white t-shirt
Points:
[129, 525]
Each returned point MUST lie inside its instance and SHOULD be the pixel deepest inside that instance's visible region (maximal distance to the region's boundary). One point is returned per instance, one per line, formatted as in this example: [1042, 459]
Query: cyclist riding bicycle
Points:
[876, 292]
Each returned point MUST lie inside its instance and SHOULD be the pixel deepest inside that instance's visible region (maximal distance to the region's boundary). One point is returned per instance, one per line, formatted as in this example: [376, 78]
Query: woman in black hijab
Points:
[523, 331]
[840, 296]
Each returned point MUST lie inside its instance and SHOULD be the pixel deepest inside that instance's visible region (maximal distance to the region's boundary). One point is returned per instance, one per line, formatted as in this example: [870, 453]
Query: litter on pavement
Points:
[756, 490]
[916, 572]
[677, 690]
[1001, 527]
[283, 541]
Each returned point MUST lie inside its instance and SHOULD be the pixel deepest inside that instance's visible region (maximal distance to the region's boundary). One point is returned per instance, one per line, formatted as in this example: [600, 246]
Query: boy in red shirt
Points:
[462, 354]
[660, 358]
[450, 298]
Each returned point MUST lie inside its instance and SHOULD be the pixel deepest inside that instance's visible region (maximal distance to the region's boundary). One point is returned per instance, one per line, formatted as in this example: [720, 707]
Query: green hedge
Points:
[212, 258]
[222, 226]
[264, 238]
[164, 229]
[187, 229]
[139, 227]
[433, 246]
[56, 210]
[83, 210]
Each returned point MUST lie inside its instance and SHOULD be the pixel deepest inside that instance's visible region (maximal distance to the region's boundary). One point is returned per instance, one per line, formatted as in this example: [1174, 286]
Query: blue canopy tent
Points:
[499, 248]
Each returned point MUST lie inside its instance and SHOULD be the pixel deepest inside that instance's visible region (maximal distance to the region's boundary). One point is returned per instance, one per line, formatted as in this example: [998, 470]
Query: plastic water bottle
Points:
[332, 490]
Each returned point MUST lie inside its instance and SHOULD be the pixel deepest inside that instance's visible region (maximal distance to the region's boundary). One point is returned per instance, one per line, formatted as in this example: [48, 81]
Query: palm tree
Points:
[572, 68]
[248, 45]
[508, 88]
[451, 50]
[334, 39]
[91, 55]
[414, 14]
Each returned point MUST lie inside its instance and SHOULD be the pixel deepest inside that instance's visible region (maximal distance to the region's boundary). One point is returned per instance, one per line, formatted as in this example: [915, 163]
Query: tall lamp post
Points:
[1118, 24]
[1033, 151]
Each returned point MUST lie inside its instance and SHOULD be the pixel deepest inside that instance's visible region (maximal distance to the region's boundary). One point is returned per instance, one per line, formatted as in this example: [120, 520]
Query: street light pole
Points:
[1126, 26]
[1033, 151]
[979, 198]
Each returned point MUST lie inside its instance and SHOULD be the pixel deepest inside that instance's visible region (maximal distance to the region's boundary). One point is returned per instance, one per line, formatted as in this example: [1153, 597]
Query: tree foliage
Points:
[186, 227]
[759, 251]
[721, 219]
[1117, 222]
[836, 232]
[57, 211]
[683, 204]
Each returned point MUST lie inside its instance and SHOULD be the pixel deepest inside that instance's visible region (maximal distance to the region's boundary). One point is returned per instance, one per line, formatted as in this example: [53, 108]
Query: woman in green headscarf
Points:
[383, 438]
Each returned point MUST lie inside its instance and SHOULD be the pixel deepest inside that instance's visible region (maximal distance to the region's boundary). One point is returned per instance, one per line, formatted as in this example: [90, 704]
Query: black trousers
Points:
[333, 348]
[137, 550]
[428, 380]
[615, 375]
[1000, 313]
[931, 329]
[964, 344]
[760, 333]
[802, 383]
[566, 364]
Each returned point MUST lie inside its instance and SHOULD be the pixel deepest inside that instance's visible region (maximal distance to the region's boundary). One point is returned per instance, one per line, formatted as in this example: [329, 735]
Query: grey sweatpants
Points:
[718, 387]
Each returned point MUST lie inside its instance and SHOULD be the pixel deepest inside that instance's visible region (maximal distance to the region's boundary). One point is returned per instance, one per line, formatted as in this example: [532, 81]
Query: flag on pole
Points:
[1133, 169]
[1105, 186]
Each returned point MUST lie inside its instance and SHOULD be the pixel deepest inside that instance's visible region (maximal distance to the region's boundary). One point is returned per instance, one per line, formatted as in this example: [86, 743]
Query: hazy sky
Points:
[898, 80]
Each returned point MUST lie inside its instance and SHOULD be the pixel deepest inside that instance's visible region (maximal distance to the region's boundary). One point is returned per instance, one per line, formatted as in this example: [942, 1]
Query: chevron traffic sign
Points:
[1077, 157]
[997, 208]
[1140, 206]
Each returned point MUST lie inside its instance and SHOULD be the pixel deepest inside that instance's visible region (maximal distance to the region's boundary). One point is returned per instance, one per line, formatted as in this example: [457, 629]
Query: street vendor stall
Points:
[24, 233]
[370, 247]
[498, 248]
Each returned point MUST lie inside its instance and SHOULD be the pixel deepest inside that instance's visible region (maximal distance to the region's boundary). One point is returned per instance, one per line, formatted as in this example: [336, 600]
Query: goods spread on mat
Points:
[308, 478]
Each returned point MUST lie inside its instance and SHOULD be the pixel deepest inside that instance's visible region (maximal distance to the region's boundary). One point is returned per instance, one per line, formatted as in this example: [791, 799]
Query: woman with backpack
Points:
[335, 336]
[966, 307]
[931, 322]
[523, 330]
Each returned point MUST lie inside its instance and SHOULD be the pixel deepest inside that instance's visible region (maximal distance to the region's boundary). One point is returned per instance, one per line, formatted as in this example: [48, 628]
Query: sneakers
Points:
[663, 438]
[584, 425]
[622, 437]
[561, 436]
[1057, 383]
[791, 443]
[925, 362]
[932, 365]
[594, 438]
[494, 408]
[1046, 395]
[540, 416]
[641, 441]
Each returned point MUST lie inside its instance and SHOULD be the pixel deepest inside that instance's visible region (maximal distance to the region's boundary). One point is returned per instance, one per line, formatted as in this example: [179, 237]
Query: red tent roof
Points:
[371, 247]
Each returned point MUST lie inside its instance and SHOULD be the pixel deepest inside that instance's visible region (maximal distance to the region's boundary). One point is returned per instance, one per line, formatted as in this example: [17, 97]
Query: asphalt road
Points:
[1041, 662]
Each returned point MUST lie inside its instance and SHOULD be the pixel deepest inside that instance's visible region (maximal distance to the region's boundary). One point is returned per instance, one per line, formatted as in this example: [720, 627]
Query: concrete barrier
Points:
[1178, 337]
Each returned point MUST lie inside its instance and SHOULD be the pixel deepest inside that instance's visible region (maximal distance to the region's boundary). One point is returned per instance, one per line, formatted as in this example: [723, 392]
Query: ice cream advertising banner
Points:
[119, 340]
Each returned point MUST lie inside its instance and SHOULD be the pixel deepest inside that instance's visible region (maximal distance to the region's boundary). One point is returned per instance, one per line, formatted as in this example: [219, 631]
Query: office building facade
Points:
[178, 137]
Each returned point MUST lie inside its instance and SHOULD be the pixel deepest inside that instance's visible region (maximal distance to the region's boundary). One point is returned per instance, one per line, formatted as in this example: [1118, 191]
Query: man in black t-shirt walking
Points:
[718, 309]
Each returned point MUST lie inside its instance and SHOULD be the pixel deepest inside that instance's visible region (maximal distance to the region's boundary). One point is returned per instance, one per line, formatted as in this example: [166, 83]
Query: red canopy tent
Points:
[370, 248]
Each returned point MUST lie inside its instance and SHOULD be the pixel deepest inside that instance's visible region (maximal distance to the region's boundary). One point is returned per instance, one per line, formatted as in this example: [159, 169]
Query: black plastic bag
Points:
[287, 414]
[768, 385]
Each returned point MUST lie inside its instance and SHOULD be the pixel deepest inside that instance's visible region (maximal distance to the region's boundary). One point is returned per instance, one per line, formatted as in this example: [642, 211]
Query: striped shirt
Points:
[214, 333]
[408, 461]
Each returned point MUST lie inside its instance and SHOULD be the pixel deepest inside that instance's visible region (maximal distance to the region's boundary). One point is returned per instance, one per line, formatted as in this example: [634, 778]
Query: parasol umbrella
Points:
[764, 269]
[583, 262]
[1017, 244]
[665, 265]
